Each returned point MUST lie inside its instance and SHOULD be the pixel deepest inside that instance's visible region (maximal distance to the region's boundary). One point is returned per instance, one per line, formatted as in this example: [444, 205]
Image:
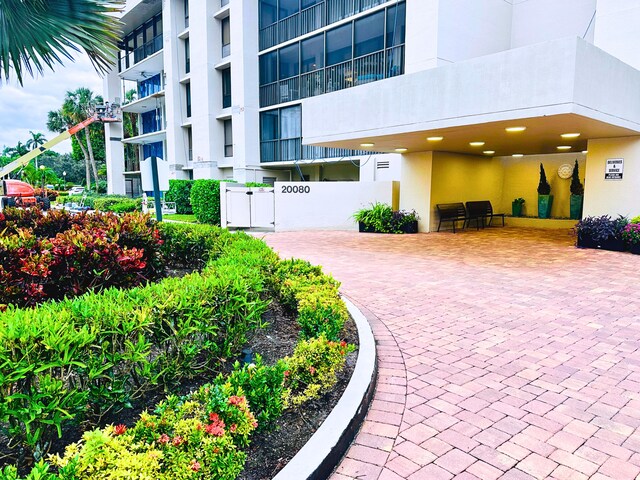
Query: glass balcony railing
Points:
[147, 49]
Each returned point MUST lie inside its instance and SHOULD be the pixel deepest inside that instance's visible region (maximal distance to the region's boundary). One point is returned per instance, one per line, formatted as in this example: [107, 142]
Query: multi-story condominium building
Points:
[457, 99]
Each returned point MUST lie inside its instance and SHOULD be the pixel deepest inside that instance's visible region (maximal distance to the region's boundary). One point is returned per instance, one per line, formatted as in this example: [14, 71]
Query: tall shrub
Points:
[576, 186]
[205, 201]
[543, 186]
[180, 192]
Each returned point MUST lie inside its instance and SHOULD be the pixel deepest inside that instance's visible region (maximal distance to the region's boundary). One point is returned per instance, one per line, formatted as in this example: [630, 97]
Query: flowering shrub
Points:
[312, 369]
[631, 234]
[57, 255]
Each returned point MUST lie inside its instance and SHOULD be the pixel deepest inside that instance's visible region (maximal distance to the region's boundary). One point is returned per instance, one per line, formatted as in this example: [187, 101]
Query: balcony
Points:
[311, 19]
[150, 65]
[292, 150]
[359, 71]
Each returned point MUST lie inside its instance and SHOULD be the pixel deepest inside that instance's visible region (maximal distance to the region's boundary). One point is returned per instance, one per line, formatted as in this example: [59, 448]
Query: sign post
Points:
[614, 168]
[156, 188]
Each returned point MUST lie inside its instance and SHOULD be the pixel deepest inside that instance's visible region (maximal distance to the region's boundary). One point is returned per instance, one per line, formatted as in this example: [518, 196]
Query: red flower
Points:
[164, 439]
[195, 465]
[119, 429]
[236, 400]
[215, 429]
[233, 428]
[312, 370]
[343, 344]
[177, 441]
[287, 373]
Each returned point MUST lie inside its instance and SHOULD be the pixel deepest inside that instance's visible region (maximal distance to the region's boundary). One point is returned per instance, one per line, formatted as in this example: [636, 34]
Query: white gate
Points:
[244, 207]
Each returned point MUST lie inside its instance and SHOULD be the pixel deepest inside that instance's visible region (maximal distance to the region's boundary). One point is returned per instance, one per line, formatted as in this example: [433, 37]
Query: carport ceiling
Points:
[542, 136]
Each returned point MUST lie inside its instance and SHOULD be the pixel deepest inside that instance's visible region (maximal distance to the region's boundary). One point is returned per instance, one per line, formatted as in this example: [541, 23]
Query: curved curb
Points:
[322, 453]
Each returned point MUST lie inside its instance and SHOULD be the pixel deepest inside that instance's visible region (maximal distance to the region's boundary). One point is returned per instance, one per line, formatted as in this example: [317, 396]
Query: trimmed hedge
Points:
[205, 200]
[180, 193]
[93, 353]
[117, 204]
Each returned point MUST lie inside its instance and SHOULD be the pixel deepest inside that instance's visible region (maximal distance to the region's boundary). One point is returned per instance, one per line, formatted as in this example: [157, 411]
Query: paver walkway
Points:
[503, 353]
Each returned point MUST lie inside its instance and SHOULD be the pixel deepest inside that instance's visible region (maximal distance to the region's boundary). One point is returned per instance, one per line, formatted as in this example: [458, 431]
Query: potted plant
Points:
[601, 232]
[381, 218]
[545, 199]
[516, 207]
[631, 237]
[577, 194]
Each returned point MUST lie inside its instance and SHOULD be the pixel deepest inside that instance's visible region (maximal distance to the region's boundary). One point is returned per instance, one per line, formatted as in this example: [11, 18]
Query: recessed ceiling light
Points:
[517, 155]
[435, 139]
[515, 129]
[367, 145]
[585, 151]
[570, 135]
[564, 147]
[401, 150]
[489, 152]
[476, 144]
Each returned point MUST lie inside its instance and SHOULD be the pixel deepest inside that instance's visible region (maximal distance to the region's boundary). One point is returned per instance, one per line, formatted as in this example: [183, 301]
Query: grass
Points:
[181, 218]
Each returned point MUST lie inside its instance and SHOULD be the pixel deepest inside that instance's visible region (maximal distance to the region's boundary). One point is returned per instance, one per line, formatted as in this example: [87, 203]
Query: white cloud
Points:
[25, 108]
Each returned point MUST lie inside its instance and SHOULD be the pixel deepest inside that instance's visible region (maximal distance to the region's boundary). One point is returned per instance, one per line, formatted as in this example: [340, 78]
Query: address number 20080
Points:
[296, 189]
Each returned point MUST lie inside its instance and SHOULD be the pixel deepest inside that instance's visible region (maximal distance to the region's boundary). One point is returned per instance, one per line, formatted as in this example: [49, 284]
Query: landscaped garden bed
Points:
[72, 364]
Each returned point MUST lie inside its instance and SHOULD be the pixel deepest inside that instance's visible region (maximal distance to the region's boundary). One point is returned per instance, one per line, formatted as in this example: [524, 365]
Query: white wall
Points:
[536, 21]
[327, 205]
[415, 191]
[422, 35]
[472, 28]
[617, 29]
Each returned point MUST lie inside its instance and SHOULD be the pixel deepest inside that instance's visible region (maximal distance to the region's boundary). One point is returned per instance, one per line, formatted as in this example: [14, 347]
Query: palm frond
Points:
[38, 34]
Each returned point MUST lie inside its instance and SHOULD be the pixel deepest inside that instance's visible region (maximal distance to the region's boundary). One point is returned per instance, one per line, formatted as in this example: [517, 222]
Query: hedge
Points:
[92, 354]
[205, 200]
[180, 193]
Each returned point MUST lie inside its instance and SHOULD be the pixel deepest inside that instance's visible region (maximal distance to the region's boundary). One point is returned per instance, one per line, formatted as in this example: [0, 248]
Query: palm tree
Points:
[35, 34]
[60, 121]
[36, 140]
[17, 151]
[80, 105]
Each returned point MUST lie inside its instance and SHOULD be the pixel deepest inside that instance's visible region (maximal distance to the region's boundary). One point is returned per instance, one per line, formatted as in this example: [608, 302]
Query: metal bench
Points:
[480, 211]
[452, 212]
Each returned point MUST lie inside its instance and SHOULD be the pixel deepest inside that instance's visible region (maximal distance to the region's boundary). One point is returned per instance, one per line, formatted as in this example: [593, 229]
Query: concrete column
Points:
[422, 35]
[114, 149]
[415, 186]
[612, 197]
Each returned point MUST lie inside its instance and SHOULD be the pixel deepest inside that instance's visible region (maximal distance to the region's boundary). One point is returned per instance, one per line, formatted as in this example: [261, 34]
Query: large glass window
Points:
[187, 56]
[396, 25]
[369, 34]
[228, 138]
[226, 31]
[310, 3]
[269, 125]
[339, 45]
[269, 68]
[151, 121]
[268, 12]
[291, 122]
[152, 150]
[188, 98]
[226, 88]
[288, 8]
[289, 61]
[312, 53]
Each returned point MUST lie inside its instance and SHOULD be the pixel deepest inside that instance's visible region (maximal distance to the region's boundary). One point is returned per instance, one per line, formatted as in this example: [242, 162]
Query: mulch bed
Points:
[269, 452]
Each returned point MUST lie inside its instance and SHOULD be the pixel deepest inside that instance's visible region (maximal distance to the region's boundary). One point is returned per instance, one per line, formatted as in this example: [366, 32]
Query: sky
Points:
[25, 108]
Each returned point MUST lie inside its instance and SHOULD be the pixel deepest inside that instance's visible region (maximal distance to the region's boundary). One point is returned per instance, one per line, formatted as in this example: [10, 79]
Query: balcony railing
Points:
[147, 49]
[131, 165]
[291, 149]
[312, 18]
[368, 68]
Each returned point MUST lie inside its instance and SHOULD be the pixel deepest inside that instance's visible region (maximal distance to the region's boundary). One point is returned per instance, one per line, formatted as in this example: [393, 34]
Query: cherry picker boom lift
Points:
[14, 193]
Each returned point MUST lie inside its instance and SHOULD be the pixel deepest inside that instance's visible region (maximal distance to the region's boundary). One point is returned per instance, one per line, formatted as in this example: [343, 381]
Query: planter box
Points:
[544, 206]
[635, 249]
[362, 228]
[575, 207]
[516, 209]
[410, 227]
[612, 244]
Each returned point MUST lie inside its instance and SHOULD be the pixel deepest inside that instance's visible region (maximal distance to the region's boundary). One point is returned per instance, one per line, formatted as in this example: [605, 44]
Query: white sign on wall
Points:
[614, 169]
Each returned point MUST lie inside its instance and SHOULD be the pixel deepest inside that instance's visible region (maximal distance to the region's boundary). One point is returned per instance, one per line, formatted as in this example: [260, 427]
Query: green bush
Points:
[117, 204]
[192, 246]
[180, 193]
[205, 201]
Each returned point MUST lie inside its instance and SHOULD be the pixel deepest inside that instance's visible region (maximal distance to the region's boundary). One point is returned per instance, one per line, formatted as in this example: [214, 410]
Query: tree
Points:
[36, 140]
[35, 34]
[60, 121]
[80, 105]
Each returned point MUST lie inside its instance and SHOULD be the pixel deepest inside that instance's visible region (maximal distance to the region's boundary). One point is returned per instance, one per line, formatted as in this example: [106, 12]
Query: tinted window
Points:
[268, 12]
[289, 61]
[291, 122]
[339, 45]
[288, 7]
[312, 53]
[268, 68]
[369, 35]
[309, 3]
[396, 25]
[269, 125]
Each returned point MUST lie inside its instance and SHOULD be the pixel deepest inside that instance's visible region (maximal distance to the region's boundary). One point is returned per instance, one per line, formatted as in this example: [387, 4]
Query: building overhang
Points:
[145, 104]
[147, 68]
[553, 88]
[147, 138]
[136, 12]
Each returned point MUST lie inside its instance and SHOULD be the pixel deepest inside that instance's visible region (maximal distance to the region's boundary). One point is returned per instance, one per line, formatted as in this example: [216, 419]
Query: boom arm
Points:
[100, 116]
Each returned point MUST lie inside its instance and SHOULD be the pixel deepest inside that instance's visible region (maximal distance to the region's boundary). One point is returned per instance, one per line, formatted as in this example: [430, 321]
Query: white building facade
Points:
[420, 91]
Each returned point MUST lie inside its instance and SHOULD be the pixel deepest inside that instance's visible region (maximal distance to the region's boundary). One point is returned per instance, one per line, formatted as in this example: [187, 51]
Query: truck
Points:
[15, 193]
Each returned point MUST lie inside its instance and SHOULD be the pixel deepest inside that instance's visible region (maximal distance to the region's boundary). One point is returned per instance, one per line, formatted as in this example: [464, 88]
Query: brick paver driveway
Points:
[503, 353]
